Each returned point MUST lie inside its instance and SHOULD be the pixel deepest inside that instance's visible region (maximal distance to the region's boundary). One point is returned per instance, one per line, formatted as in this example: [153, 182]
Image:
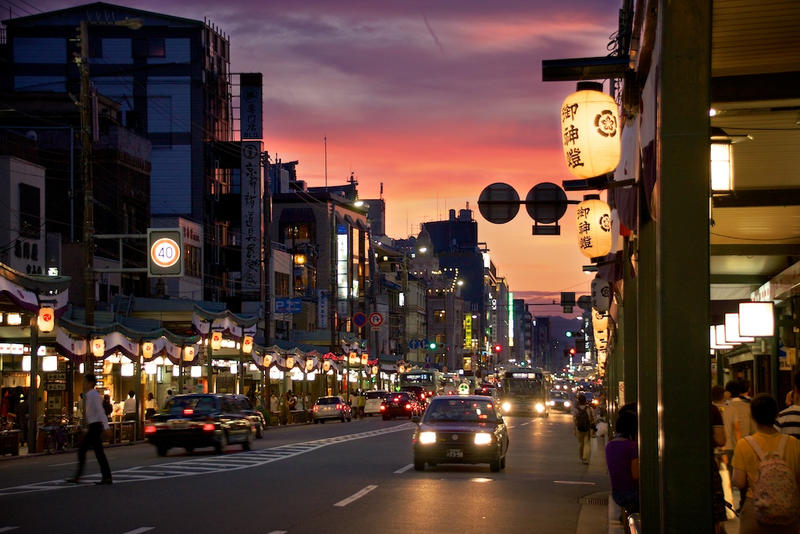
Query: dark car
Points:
[256, 417]
[421, 393]
[561, 401]
[401, 404]
[331, 408]
[200, 420]
[461, 429]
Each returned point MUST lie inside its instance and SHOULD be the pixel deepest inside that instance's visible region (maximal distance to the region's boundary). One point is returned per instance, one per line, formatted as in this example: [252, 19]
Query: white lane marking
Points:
[139, 530]
[6, 529]
[404, 469]
[575, 482]
[509, 426]
[523, 424]
[202, 466]
[58, 465]
[278, 532]
[356, 496]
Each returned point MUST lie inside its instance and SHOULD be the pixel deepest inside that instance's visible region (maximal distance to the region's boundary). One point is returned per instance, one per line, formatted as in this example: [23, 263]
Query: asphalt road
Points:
[348, 478]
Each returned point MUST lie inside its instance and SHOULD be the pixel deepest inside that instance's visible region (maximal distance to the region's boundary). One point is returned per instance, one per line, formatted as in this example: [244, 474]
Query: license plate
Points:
[179, 423]
[455, 453]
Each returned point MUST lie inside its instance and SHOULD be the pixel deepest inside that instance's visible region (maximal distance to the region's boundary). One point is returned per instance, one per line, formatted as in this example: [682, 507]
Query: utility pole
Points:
[86, 175]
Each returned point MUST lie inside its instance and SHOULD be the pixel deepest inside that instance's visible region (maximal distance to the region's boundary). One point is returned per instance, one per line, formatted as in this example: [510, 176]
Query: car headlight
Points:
[426, 438]
[551, 403]
[567, 404]
[539, 407]
[483, 438]
[506, 406]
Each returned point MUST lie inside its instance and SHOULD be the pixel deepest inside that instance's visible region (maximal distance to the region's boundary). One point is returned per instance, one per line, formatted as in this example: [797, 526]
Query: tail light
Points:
[338, 406]
[430, 393]
[315, 409]
[150, 429]
[383, 408]
[188, 411]
[423, 396]
[208, 427]
[408, 406]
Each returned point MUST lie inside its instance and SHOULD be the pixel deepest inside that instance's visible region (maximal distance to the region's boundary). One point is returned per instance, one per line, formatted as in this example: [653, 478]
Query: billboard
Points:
[250, 105]
[251, 215]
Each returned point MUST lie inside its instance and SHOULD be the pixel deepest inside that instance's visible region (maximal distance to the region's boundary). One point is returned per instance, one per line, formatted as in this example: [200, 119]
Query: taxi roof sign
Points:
[165, 252]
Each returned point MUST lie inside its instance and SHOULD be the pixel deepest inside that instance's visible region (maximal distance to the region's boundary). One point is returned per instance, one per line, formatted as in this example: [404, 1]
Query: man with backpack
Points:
[768, 465]
[583, 419]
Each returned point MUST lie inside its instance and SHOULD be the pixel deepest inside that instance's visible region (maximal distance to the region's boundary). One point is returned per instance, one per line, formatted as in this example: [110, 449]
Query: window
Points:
[438, 316]
[193, 263]
[281, 284]
[29, 211]
[156, 48]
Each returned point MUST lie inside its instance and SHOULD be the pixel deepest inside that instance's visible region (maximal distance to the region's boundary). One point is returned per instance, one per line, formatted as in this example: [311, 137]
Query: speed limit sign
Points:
[165, 256]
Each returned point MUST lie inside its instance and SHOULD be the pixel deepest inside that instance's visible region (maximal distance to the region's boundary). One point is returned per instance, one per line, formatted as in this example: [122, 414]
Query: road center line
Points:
[404, 469]
[59, 465]
[355, 496]
[523, 424]
[575, 482]
[278, 532]
[139, 530]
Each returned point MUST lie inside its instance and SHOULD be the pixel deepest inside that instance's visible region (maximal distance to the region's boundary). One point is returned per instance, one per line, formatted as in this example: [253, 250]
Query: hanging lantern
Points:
[98, 347]
[593, 221]
[364, 359]
[601, 339]
[247, 344]
[147, 350]
[50, 363]
[601, 294]
[289, 362]
[216, 340]
[590, 131]
[267, 361]
[326, 366]
[309, 365]
[756, 319]
[721, 166]
[374, 370]
[46, 320]
[188, 353]
[599, 320]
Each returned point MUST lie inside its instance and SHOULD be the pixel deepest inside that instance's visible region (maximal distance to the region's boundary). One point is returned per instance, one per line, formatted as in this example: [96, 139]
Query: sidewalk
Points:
[593, 517]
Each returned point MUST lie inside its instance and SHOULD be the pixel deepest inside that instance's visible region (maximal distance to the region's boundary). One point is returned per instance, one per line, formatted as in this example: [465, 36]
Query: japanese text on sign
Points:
[251, 215]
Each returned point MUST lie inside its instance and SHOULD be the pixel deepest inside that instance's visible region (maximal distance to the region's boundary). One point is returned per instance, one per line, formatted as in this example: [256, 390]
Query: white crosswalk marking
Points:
[139, 530]
[205, 465]
[355, 496]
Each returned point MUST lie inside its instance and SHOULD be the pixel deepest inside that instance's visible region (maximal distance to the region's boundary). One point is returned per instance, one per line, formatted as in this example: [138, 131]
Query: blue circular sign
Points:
[359, 319]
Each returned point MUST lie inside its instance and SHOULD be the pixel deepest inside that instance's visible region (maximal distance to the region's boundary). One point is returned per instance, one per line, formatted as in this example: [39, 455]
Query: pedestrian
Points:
[622, 459]
[361, 402]
[768, 463]
[789, 419]
[583, 420]
[97, 422]
[274, 405]
[169, 397]
[284, 409]
[129, 407]
[717, 440]
[723, 452]
[108, 408]
[150, 406]
[22, 422]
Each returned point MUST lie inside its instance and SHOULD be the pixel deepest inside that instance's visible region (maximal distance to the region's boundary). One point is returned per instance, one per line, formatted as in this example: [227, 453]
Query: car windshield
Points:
[328, 400]
[198, 404]
[461, 410]
[376, 394]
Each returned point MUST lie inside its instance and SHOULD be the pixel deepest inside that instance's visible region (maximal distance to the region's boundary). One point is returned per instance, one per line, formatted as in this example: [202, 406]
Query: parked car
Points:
[461, 429]
[374, 400]
[200, 420]
[331, 408]
[256, 417]
[401, 404]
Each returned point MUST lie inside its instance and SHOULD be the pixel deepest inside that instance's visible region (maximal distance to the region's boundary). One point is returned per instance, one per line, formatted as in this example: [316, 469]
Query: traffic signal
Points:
[498, 348]
[568, 333]
[572, 351]
[432, 345]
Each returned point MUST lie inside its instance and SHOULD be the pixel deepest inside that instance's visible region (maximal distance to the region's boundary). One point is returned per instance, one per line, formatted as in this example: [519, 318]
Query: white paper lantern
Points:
[599, 320]
[601, 339]
[756, 319]
[289, 362]
[364, 359]
[147, 350]
[326, 366]
[593, 222]
[150, 368]
[188, 353]
[247, 344]
[267, 361]
[309, 365]
[216, 340]
[98, 347]
[732, 330]
[47, 319]
[601, 294]
[590, 131]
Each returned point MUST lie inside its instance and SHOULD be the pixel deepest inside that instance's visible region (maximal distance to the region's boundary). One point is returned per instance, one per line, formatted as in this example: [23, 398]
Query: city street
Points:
[350, 478]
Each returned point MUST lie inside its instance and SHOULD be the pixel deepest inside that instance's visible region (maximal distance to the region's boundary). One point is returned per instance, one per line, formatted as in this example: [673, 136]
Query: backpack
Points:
[582, 420]
[776, 499]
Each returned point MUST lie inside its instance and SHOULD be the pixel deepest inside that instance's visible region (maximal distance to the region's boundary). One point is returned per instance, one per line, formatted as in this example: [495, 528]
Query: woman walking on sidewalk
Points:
[97, 422]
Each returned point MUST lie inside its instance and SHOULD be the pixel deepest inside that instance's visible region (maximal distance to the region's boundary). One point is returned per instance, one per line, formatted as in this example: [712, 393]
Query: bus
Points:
[525, 390]
[430, 379]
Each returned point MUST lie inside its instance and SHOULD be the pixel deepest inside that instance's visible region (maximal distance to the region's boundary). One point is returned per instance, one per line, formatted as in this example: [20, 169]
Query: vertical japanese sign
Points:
[250, 105]
[468, 331]
[323, 309]
[251, 215]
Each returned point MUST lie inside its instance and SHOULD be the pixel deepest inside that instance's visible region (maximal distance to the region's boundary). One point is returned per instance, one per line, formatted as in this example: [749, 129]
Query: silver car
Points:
[331, 408]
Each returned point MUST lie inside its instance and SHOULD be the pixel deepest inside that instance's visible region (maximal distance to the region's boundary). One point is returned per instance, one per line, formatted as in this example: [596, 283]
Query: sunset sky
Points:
[436, 99]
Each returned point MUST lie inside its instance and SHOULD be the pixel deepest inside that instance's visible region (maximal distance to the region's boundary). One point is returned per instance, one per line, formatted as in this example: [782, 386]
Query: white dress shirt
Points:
[129, 406]
[94, 409]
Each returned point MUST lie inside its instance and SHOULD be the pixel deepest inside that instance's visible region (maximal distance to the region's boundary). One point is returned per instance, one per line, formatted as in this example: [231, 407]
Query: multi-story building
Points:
[171, 77]
[22, 219]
